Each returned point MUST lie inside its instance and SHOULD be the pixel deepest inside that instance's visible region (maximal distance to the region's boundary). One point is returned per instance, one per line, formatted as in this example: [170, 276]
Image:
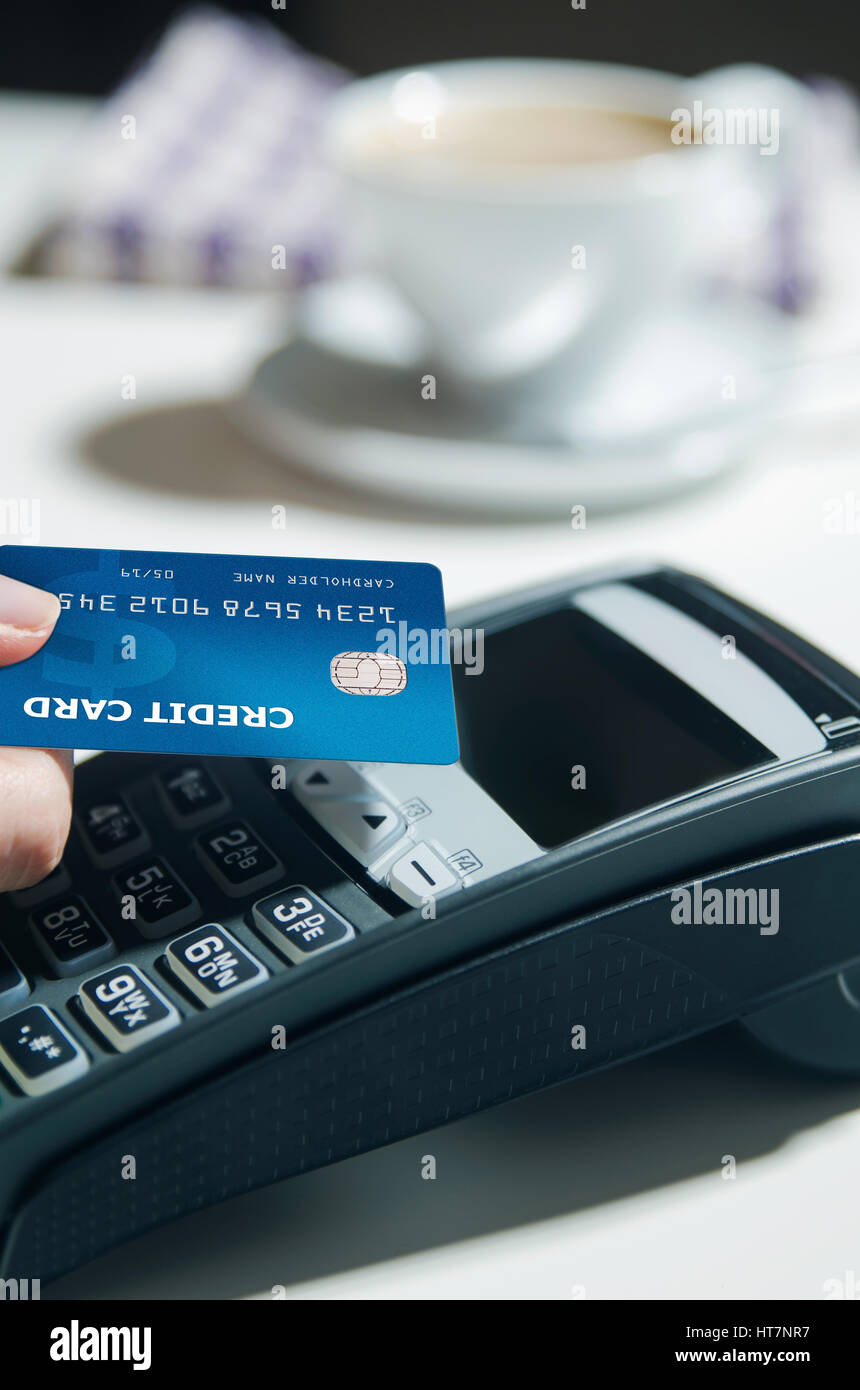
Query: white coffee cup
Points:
[511, 265]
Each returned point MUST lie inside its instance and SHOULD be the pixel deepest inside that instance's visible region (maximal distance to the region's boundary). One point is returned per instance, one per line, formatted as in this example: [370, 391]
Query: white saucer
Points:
[343, 398]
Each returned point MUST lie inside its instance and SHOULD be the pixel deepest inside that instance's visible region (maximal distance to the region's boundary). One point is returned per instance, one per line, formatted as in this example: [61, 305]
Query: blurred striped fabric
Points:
[203, 166]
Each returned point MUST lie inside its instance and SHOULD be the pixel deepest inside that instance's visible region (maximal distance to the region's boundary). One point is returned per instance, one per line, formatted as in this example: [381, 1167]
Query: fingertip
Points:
[27, 607]
[17, 644]
[35, 813]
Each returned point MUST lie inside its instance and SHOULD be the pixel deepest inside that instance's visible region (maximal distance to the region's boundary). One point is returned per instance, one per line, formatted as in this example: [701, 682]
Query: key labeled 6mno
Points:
[213, 965]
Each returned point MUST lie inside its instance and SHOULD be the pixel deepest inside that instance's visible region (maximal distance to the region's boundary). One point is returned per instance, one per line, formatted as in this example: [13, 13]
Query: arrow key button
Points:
[362, 826]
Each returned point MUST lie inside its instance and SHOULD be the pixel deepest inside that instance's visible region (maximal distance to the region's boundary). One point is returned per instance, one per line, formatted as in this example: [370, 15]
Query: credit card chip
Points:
[368, 673]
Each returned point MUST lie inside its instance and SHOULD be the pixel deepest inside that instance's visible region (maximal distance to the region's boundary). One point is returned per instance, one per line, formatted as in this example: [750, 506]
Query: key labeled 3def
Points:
[299, 924]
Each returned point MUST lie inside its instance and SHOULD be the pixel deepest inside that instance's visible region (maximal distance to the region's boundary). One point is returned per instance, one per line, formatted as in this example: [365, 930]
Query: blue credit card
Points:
[166, 652]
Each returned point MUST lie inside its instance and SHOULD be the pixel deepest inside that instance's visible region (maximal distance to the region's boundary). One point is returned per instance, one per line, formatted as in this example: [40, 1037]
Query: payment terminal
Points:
[245, 969]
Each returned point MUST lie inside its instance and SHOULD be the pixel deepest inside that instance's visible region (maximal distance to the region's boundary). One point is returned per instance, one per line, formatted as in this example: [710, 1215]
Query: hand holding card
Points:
[168, 652]
[35, 783]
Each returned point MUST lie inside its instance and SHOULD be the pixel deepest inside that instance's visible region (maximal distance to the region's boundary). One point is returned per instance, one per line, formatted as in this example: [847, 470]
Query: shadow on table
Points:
[194, 450]
[650, 1123]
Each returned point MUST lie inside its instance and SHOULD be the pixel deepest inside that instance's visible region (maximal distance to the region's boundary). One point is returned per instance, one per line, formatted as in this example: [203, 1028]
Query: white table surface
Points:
[612, 1184]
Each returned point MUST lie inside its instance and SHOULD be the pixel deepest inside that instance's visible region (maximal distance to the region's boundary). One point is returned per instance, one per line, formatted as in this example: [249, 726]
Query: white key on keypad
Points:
[362, 827]
[314, 781]
[421, 874]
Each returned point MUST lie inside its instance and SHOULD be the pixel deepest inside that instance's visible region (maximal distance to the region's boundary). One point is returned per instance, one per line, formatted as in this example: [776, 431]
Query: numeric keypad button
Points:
[69, 937]
[56, 882]
[37, 1051]
[237, 859]
[13, 986]
[191, 795]
[111, 832]
[157, 900]
[213, 965]
[126, 1007]
[301, 925]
